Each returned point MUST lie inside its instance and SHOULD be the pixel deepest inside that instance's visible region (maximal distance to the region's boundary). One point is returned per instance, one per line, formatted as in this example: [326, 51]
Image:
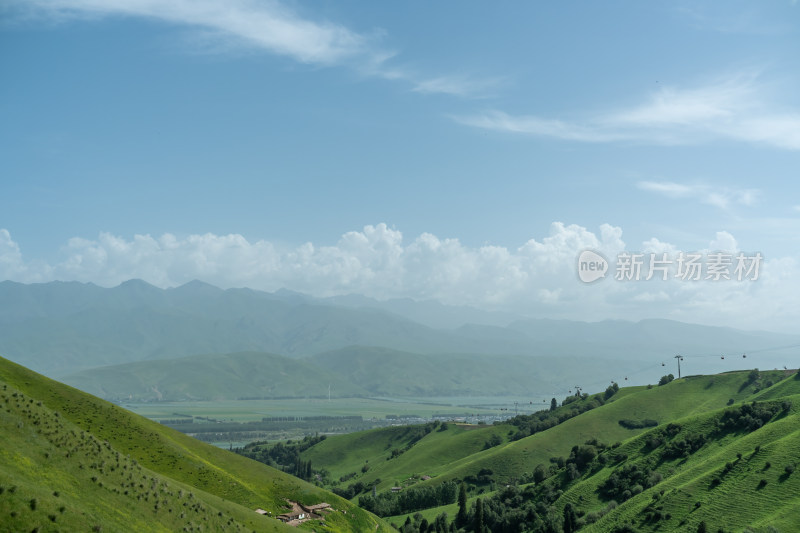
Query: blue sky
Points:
[429, 150]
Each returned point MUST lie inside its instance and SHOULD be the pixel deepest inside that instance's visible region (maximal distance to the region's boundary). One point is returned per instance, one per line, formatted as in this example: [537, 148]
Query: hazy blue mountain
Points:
[213, 377]
[428, 312]
[350, 371]
[60, 328]
[386, 372]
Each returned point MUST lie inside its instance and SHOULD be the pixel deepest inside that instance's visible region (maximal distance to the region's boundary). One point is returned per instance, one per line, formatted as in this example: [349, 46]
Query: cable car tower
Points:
[679, 358]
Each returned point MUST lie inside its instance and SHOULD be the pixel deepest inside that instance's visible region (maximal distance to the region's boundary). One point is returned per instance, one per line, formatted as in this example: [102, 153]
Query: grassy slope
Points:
[181, 458]
[680, 398]
[431, 514]
[738, 501]
[690, 396]
[345, 454]
[79, 482]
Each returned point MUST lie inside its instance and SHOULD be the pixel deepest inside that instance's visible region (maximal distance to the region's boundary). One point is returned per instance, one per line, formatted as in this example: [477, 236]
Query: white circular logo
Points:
[591, 266]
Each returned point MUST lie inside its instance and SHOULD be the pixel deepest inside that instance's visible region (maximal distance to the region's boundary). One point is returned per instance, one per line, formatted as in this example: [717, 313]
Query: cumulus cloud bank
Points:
[538, 278]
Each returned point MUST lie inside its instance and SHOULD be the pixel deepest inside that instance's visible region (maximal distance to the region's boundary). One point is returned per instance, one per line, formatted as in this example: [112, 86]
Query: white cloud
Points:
[735, 108]
[531, 125]
[722, 197]
[271, 26]
[464, 86]
[724, 242]
[537, 278]
[266, 25]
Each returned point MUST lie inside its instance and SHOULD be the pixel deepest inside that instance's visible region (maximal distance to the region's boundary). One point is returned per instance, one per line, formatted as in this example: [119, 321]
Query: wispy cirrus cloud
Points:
[735, 108]
[722, 197]
[457, 85]
[532, 125]
[269, 26]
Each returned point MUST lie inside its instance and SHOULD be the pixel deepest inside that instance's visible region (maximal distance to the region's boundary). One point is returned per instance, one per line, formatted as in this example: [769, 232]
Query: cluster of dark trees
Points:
[665, 379]
[628, 481]
[354, 489]
[749, 417]
[285, 457]
[571, 407]
[638, 424]
[411, 499]
[421, 525]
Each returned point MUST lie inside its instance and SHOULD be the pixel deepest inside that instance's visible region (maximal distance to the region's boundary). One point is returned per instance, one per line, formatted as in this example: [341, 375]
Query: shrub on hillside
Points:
[638, 424]
[747, 417]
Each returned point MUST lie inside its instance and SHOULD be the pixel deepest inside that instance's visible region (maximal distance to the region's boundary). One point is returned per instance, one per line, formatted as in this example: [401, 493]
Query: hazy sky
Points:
[448, 150]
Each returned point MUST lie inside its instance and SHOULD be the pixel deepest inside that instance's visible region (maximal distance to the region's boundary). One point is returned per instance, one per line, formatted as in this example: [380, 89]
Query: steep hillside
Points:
[59, 434]
[516, 457]
[703, 422]
[692, 395]
[742, 475]
[395, 455]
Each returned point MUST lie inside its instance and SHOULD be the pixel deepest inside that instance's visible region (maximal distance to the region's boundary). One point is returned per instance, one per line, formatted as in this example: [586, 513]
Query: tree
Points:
[666, 379]
[701, 527]
[539, 473]
[478, 516]
[553, 404]
[570, 519]
[461, 517]
[611, 391]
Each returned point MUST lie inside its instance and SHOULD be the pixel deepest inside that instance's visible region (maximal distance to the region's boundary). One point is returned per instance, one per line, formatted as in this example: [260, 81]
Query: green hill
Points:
[696, 437]
[388, 372]
[736, 479]
[213, 377]
[71, 461]
[354, 371]
[513, 459]
[423, 451]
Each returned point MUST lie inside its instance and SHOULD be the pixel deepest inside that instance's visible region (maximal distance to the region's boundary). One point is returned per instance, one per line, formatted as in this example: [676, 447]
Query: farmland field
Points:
[233, 423]
[251, 410]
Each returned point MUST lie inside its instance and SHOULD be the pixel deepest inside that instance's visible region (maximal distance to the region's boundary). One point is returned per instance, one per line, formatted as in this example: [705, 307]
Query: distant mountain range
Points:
[61, 328]
[349, 372]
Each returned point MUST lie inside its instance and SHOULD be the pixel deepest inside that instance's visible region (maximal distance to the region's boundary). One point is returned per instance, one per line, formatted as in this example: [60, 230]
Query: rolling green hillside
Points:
[697, 405]
[422, 453]
[60, 440]
[387, 372]
[691, 395]
[737, 479]
[513, 459]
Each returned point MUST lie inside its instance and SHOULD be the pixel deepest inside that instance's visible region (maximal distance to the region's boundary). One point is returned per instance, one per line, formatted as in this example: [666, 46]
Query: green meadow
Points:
[704, 470]
[113, 470]
[252, 410]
